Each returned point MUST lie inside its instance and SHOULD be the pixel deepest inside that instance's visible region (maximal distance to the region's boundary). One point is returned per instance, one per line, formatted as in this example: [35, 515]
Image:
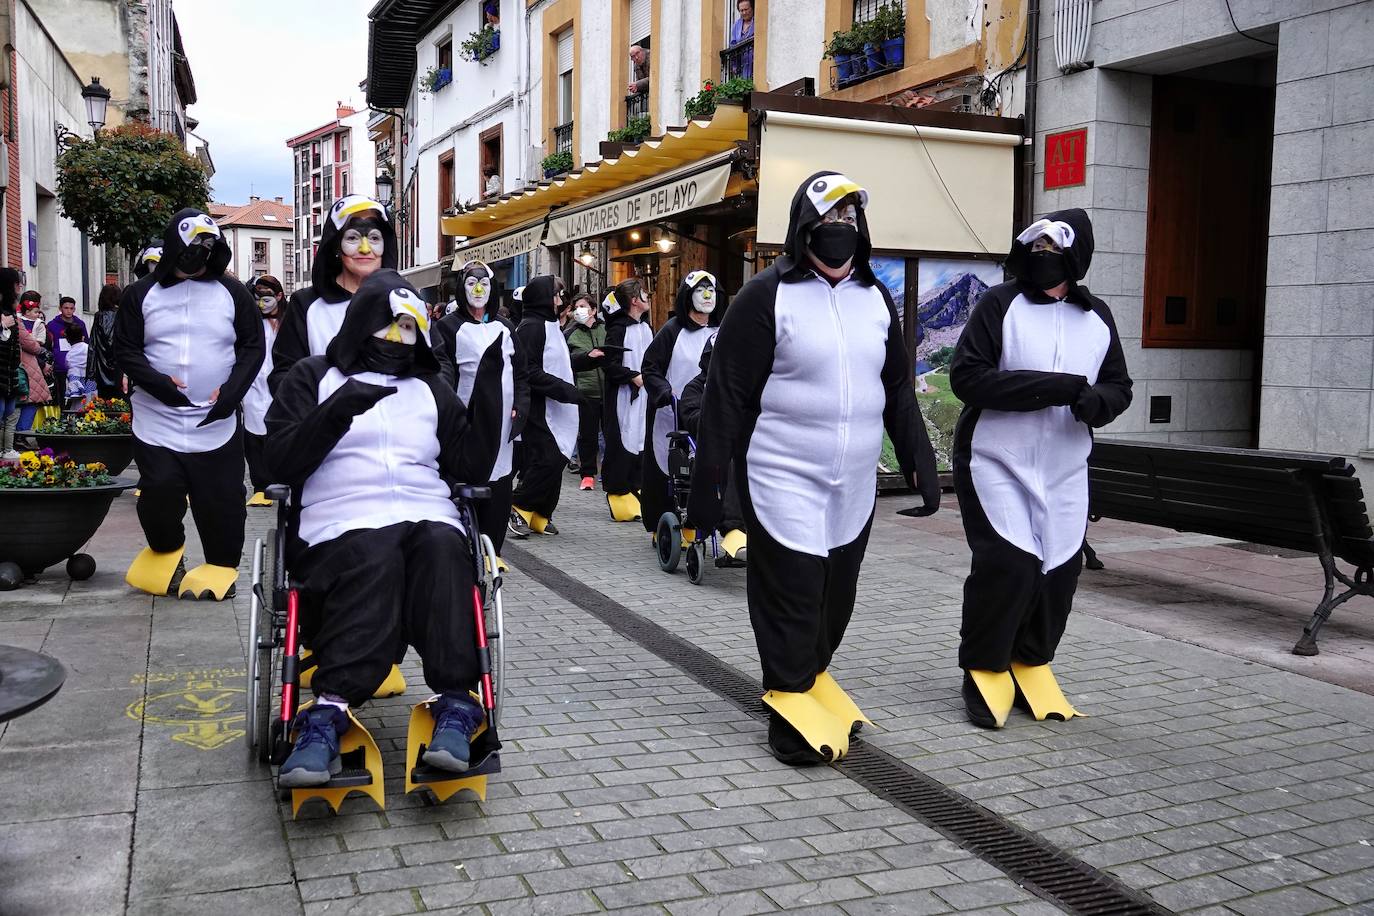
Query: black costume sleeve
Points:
[530, 335]
[902, 416]
[471, 437]
[975, 379]
[293, 341]
[128, 334]
[741, 361]
[249, 352]
[301, 431]
[654, 368]
[444, 346]
[617, 373]
[520, 372]
[1101, 403]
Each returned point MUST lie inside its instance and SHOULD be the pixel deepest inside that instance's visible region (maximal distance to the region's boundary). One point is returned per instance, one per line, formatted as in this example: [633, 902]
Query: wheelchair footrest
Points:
[423, 773]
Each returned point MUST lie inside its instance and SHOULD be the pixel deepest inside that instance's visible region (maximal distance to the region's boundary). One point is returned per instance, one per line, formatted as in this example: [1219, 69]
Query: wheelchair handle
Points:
[464, 491]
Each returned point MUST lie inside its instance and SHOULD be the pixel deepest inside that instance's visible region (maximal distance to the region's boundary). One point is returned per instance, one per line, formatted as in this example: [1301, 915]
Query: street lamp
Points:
[385, 186]
[97, 98]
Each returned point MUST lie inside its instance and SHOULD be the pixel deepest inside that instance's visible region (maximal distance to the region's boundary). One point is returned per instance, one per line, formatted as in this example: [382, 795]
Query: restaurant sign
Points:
[654, 203]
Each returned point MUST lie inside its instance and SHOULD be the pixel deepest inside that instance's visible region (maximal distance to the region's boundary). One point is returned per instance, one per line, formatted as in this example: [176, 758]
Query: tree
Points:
[124, 186]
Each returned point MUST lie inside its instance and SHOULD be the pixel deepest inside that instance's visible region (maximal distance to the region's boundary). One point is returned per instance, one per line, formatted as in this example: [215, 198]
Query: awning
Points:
[518, 241]
[698, 185]
[930, 188]
[424, 274]
[680, 147]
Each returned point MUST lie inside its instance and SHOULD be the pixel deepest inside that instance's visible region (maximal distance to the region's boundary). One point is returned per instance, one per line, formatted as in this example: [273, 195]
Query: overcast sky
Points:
[267, 70]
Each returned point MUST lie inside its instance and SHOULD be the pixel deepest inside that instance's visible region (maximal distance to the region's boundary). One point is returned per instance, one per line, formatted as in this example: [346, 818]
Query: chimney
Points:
[343, 111]
[253, 198]
[277, 199]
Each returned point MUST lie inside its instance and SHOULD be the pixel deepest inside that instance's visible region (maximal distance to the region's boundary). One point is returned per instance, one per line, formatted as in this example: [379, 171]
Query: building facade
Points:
[262, 237]
[329, 162]
[1226, 165]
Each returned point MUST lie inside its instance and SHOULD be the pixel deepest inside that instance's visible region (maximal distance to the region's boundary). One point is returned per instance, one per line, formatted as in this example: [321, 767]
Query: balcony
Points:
[636, 106]
[737, 61]
[562, 138]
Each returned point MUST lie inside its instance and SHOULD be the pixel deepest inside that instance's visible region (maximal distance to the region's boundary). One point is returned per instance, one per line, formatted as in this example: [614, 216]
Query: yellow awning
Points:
[679, 147]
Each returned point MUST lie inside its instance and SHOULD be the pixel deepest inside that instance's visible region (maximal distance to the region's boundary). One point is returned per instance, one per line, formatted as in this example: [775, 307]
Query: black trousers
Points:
[378, 590]
[799, 605]
[214, 482]
[253, 450]
[588, 436]
[654, 498]
[731, 509]
[494, 514]
[620, 469]
[1012, 611]
[109, 391]
[541, 476]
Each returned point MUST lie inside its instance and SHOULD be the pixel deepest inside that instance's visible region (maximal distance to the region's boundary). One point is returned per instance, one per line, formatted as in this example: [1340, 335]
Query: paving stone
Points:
[744, 903]
[1197, 892]
[86, 857]
[387, 904]
[281, 898]
[652, 890]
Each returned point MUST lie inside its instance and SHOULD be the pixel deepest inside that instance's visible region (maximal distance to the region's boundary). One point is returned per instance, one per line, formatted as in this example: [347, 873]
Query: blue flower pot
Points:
[873, 58]
[844, 65]
[894, 51]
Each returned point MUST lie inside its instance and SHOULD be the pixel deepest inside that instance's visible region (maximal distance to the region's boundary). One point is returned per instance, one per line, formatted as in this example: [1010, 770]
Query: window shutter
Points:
[565, 51]
[641, 22]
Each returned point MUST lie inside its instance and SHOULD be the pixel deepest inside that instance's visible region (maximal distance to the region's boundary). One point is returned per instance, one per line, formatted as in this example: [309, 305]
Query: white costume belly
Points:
[470, 343]
[631, 411]
[562, 418]
[683, 366]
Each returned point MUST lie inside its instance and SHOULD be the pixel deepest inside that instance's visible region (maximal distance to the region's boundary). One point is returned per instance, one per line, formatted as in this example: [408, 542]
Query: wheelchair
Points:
[674, 542]
[274, 670]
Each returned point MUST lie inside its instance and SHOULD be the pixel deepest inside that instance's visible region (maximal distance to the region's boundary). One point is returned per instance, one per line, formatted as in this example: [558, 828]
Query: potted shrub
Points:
[61, 503]
[634, 131]
[703, 104]
[842, 48]
[481, 44]
[435, 78]
[557, 164]
[887, 29]
[102, 432]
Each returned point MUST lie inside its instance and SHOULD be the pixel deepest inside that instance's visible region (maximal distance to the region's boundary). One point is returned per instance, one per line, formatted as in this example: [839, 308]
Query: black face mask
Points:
[1047, 269]
[389, 357]
[833, 244]
[193, 260]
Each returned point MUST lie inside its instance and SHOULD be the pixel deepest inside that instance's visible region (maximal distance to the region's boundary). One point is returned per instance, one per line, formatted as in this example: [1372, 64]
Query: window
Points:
[261, 258]
[446, 199]
[315, 155]
[565, 77]
[641, 21]
[343, 148]
[865, 10]
[343, 183]
[445, 55]
[489, 162]
[328, 190]
[327, 150]
[737, 58]
[288, 262]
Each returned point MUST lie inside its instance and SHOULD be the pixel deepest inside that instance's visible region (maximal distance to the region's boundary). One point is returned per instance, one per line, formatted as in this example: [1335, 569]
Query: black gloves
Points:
[1089, 407]
[663, 398]
[356, 397]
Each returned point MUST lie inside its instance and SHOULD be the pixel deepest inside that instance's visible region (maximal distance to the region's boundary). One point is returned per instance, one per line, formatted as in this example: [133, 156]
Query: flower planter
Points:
[872, 58]
[894, 52]
[844, 66]
[55, 521]
[114, 450]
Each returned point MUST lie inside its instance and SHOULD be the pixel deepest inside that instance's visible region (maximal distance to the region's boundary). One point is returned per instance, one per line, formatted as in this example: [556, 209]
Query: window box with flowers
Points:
[62, 503]
[436, 78]
[481, 44]
[703, 104]
[103, 433]
[557, 163]
[636, 130]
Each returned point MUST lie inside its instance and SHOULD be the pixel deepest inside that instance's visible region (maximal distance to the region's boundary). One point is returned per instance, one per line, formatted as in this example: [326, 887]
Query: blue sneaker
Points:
[316, 755]
[456, 718]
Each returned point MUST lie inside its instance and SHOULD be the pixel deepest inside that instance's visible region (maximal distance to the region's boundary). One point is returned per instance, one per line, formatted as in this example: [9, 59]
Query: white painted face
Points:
[409, 318]
[401, 330]
[356, 244]
[704, 298]
[478, 290]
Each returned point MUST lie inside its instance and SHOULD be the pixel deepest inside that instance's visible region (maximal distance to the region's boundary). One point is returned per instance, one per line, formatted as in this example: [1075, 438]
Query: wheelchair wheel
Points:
[255, 686]
[496, 625]
[696, 563]
[269, 646]
[668, 542]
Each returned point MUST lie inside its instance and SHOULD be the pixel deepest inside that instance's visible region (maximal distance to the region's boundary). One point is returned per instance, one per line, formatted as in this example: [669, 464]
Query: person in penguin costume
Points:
[1038, 367]
[147, 259]
[626, 308]
[808, 369]
[190, 340]
[550, 431]
[469, 333]
[271, 301]
[358, 239]
[673, 360]
[732, 524]
[370, 435]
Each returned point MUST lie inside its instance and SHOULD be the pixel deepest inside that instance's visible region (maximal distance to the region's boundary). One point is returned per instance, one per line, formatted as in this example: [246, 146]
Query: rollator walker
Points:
[274, 661]
[674, 540]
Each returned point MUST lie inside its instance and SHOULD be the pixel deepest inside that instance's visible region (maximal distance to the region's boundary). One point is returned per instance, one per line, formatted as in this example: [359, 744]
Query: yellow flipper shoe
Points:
[307, 668]
[534, 520]
[393, 686]
[827, 734]
[258, 499]
[735, 543]
[419, 776]
[1042, 692]
[350, 742]
[997, 691]
[155, 573]
[832, 696]
[208, 582]
[624, 506]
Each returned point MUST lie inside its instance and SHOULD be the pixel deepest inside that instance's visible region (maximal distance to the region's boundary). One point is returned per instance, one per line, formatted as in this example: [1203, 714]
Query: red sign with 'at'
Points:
[1066, 156]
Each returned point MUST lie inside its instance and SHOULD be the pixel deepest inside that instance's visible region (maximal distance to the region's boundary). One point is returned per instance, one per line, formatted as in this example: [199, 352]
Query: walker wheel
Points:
[668, 542]
[696, 563]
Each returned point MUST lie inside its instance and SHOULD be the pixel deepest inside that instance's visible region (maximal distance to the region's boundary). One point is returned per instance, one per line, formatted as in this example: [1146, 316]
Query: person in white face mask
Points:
[586, 333]
[271, 299]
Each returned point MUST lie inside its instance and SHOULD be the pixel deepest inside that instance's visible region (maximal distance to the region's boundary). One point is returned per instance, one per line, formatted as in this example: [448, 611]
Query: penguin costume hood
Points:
[383, 298]
[356, 211]
[147, 259]
[1072, 231]
[189, 232]
[536, 298]
[816, 197]
[684, 301]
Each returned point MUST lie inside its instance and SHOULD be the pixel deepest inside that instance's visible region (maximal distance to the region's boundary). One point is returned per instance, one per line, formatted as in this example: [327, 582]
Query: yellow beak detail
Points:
[393, 333]
[364, 247]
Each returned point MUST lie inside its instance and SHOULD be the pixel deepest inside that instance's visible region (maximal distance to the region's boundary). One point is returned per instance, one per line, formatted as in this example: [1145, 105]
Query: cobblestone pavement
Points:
[1206, 776]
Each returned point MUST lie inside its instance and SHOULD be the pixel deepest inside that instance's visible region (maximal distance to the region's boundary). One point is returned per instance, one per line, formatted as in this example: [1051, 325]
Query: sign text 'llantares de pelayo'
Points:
[647, 206]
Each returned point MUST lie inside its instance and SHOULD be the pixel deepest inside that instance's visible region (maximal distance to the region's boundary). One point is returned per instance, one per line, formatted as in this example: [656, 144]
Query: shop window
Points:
[1205, 248]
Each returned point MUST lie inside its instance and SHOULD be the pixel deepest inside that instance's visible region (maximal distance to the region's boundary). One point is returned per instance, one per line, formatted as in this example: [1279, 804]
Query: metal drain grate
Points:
[1041, 867]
